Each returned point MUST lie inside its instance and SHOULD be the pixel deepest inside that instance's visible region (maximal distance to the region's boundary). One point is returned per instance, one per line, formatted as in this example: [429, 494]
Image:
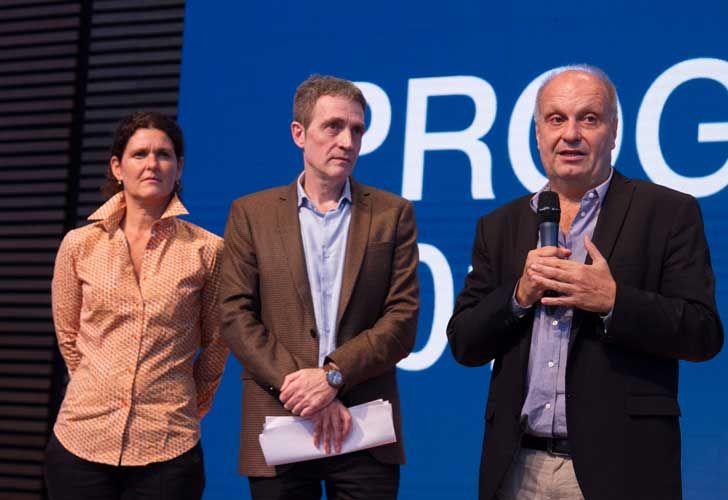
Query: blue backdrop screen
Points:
[451, 88]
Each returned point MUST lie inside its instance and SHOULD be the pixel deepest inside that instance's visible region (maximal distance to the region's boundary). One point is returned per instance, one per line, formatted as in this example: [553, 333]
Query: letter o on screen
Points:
[443, 286]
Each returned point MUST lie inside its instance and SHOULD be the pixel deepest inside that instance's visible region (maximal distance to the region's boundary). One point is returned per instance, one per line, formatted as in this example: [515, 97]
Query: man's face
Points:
[332, 141]
[575, 130]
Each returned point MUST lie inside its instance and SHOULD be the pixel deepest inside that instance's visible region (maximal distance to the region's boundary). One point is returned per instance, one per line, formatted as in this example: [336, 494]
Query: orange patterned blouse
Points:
[144, 357]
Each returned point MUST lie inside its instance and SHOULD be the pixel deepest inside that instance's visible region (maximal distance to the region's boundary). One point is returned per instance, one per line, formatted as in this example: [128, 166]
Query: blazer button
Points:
[313, 333]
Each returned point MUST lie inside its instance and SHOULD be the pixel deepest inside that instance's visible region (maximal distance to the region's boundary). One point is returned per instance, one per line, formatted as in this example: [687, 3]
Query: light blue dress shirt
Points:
[324, 238]
[544, 410]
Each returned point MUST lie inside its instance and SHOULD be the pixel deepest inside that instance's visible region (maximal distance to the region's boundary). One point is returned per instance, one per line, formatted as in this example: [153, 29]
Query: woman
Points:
[134, 300]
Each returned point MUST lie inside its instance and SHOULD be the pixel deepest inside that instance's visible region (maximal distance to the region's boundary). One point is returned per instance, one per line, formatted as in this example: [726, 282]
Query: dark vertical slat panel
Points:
[134, 62]
[38, 75]
[69, 70]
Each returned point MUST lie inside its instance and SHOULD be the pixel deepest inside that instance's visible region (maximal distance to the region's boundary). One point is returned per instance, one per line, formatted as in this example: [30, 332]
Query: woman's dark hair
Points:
[127, 127]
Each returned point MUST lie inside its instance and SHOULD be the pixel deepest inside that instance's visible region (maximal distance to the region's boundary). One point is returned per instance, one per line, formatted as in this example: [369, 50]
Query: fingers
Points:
[311, 405]
[288, 379]
[336, 425]
[554, 273]
[286, 383]
[346, 423]
[287, 390]
[289, 400]
[555, 285]
[331, 427]
[326, 432]
[594, 252]
[317, 432]
[298, 408]
[560, 252]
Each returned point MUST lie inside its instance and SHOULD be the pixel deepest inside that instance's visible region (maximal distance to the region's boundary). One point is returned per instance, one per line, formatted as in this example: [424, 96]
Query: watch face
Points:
[334, 378]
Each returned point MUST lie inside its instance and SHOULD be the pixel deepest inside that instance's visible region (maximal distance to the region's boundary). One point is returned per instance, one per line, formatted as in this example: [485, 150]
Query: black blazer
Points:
[621, 402]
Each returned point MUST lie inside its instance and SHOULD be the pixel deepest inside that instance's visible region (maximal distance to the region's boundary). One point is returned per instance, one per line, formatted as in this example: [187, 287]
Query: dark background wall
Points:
[68, 71]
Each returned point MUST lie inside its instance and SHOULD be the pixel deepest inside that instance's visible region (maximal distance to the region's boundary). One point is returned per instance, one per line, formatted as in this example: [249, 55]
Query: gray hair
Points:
[582, 68]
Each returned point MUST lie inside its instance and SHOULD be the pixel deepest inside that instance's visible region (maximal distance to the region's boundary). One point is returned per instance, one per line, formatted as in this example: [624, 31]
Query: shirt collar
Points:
[301, 193]
[111, 212]
[598, 192]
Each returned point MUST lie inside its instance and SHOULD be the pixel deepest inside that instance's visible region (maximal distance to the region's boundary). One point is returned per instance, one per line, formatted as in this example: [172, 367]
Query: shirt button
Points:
[548, 406]
[583, 214]
[555, 322]
[128, 370]
[591, 195]
[551, 364]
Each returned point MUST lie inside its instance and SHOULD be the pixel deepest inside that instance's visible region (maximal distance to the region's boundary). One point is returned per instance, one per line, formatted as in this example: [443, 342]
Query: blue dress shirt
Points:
[544, 411]
[324, 238]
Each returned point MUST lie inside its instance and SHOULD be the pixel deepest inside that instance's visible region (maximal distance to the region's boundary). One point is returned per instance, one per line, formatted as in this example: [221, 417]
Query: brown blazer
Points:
[268, 314]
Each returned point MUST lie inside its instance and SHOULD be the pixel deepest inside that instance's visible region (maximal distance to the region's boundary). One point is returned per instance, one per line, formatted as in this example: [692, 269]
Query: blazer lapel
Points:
[289, 229]
[612, 214]
[611, 219]
[356, 244]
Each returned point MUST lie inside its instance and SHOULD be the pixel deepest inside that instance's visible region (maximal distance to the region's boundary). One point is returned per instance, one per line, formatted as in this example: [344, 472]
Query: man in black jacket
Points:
[586, 336]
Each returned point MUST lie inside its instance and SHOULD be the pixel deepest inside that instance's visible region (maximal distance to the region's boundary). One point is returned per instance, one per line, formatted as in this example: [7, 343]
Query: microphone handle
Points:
[549, 235]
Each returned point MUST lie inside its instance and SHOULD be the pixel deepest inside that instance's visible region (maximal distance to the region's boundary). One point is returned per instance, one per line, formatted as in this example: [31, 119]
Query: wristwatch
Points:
[333, 376]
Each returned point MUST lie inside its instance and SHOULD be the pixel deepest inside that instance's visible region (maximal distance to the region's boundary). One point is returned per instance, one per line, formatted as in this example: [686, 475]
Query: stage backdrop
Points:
[451, 87]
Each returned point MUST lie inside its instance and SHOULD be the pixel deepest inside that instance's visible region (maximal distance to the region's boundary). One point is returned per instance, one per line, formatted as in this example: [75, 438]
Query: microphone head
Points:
[549, 209]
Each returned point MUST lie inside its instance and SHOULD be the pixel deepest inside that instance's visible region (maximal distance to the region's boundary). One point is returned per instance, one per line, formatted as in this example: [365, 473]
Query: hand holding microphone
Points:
[548, 276]
[549, 216]
[530, 290]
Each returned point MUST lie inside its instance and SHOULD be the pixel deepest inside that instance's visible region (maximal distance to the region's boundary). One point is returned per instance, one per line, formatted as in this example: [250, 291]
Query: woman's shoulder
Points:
[82, 236]
[200, 235]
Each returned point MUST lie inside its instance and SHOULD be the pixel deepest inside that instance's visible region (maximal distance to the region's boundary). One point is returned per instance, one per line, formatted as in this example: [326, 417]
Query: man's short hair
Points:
[582, 68]
[316, 86]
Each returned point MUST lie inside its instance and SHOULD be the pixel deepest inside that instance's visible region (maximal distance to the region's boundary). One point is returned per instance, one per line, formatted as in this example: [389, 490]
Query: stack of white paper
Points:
[290, 439]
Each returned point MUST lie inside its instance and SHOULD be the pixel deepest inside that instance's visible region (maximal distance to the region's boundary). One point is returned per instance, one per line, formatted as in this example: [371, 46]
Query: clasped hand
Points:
[588, 287]
[307, 393]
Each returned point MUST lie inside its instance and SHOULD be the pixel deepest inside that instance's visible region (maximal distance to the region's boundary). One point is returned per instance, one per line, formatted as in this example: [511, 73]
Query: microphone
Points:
[549, 215]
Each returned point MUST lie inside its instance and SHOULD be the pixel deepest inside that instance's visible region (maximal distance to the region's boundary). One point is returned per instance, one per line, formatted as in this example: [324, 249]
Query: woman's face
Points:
[149, 167]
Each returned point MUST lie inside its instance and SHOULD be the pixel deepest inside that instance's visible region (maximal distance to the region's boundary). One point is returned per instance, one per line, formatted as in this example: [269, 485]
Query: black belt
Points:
[555, 446]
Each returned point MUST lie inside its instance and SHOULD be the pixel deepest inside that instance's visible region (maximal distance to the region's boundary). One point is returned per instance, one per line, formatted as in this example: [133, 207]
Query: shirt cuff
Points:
[517, 309]
[606, 321]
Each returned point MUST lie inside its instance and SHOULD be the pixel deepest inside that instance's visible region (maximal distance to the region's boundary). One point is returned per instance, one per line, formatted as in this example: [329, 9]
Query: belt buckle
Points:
[552, 451]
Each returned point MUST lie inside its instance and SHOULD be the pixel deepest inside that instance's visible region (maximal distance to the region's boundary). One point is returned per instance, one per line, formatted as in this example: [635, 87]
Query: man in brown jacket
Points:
[320, 301]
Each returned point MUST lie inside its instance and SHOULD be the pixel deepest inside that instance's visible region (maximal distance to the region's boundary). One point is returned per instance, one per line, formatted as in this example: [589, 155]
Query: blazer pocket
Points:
[653, 405]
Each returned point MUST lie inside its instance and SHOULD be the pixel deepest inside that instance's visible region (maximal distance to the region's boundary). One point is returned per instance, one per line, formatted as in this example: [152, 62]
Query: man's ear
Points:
[298, 132]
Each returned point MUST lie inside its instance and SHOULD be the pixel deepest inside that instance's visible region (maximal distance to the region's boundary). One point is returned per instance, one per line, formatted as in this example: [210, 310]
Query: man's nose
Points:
[346, 139]
[572, 132]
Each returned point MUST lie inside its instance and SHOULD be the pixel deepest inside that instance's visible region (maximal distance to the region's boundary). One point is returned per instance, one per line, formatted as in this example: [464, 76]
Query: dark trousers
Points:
[352, 476]
[69, 477]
